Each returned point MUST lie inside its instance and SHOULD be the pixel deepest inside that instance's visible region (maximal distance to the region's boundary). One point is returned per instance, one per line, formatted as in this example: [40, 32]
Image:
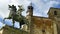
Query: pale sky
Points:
[41, 7]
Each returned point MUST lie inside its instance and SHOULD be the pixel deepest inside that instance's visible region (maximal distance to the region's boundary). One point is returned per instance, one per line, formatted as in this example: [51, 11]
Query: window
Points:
[31, 7]
[55, 12]
[28, 7]
[43, 30]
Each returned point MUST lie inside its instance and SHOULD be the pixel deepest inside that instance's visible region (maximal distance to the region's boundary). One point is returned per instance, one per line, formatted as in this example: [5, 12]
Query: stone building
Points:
[44, 25]
[54, 14]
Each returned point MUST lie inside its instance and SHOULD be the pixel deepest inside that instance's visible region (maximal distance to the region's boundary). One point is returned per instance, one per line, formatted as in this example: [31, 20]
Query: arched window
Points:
[55, 12]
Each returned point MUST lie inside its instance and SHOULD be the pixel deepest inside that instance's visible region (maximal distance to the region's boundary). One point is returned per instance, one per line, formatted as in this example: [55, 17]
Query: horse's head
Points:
[21, 8]
[12, 8]
[9, 7]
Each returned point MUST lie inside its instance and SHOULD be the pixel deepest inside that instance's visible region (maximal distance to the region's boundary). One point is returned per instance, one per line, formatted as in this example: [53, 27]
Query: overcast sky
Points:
[41, 7]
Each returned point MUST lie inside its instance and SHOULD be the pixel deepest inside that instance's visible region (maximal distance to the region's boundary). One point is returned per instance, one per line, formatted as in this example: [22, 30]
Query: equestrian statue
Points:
[16, 15]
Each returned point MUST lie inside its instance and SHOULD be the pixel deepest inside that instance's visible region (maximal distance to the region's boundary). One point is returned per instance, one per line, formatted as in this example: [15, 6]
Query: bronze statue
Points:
[16, 15]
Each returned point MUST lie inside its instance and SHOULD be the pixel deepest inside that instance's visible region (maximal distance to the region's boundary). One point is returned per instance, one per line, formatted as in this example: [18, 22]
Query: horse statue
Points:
[16, 15]
[20, 10]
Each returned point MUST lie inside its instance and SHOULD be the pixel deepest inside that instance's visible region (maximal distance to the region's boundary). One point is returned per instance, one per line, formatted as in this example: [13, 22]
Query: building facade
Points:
[44, 25]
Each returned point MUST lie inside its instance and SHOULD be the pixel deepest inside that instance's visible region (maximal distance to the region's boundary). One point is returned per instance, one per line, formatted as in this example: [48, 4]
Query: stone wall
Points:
[43, 25]
[11, 30]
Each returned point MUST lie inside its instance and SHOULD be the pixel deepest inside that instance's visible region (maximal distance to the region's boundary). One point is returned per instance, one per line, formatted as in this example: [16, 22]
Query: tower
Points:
[29, 11]
[29, 15]
[54, 14]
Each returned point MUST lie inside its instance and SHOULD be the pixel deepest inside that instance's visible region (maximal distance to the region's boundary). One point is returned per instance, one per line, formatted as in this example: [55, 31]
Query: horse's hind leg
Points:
[13, 22]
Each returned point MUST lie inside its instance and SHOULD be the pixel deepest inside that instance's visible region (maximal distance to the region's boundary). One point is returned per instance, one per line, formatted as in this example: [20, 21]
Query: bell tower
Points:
[29, 11]
[29, 15]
